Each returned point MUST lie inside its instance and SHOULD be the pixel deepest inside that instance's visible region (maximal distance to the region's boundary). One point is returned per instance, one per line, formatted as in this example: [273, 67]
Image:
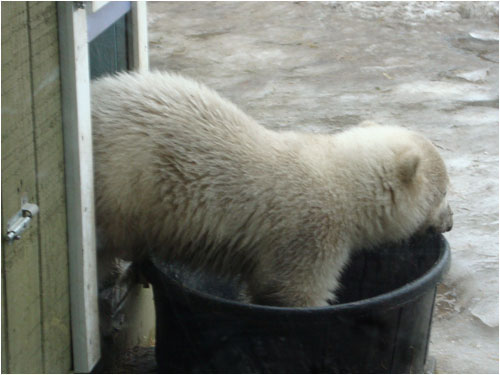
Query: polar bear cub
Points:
[183, 173]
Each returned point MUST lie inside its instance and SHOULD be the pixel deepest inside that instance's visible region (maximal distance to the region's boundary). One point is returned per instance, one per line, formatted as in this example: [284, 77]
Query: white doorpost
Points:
[75, 80]
[78, 19]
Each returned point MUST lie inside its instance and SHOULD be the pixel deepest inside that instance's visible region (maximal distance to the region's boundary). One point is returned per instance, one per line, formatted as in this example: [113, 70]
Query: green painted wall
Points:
[35, 292]
[108, 52]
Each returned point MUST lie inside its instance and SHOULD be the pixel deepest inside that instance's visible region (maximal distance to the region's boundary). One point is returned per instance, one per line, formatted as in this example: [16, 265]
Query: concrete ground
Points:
[321, 67]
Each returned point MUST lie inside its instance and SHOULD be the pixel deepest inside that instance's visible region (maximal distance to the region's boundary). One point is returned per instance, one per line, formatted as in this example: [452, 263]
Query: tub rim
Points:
[392, 299]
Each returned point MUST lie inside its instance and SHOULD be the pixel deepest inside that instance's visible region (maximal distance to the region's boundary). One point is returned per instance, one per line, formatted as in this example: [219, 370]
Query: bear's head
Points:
[423, 177]
[406, 178]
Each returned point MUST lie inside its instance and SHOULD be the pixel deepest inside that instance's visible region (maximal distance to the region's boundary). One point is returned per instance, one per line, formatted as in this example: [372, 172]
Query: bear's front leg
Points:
[308, 278]
[291, 290]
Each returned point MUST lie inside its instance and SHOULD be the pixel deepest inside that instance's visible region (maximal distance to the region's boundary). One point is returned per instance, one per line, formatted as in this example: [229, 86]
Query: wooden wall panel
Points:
[36, 334]
[44, 51]
[20, 260]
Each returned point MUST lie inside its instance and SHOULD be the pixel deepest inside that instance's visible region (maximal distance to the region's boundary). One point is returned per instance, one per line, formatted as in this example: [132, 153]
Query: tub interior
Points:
[387, 268]
[369, 273]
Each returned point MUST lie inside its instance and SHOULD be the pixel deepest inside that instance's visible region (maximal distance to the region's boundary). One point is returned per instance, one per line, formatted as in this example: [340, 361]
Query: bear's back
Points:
[159, 103]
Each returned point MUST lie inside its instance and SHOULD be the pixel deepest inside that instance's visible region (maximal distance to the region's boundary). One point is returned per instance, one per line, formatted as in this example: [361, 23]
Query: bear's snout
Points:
[449, 219]
[445, 220]
[450, 225]
[448, 228]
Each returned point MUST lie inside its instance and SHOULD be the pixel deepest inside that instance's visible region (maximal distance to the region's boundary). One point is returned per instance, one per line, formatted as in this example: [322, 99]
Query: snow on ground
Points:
[429, 66]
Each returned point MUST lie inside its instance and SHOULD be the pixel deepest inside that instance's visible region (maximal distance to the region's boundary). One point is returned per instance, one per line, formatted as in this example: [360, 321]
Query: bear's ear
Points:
[408, 162]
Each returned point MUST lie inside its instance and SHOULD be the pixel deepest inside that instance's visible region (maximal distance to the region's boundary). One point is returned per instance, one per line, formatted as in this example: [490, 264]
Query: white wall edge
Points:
[140, 50]
[75, 80]
[94, 6]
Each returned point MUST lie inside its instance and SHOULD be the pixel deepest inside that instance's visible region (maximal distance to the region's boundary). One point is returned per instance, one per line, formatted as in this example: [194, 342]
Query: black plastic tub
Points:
[381, 323]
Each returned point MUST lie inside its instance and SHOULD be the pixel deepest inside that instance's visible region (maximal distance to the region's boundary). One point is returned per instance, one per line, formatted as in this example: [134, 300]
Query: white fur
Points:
[185, 174]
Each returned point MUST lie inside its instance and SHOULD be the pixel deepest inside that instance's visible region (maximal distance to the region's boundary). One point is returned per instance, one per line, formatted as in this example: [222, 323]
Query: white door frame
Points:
[75, 80]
